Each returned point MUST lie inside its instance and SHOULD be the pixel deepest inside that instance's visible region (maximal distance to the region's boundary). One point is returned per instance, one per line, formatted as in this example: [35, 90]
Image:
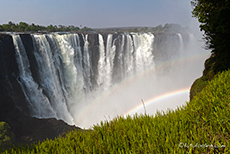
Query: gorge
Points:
[85, 78]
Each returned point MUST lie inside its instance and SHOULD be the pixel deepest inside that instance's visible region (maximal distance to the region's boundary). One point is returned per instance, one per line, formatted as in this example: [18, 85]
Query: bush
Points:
[6, 136]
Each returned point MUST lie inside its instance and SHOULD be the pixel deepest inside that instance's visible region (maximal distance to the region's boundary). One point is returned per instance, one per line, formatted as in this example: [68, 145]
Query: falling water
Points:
[181, 48]
[32, 91]
[82, 81]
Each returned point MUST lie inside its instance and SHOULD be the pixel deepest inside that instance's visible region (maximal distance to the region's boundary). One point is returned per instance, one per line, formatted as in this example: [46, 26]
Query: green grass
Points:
[201, 126]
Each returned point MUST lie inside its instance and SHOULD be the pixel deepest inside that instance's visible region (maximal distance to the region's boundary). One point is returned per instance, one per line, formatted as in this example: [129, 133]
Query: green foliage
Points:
[213, 16]
[197, 86]
[6, 136]
[202, 126]
[24, 27]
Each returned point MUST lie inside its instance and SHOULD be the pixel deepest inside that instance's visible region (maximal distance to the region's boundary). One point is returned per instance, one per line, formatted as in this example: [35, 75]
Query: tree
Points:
[23, 26]
[11, 25]
[33, 28]
[1, 28]
[6, 27]
[213, 16]
[50, 28]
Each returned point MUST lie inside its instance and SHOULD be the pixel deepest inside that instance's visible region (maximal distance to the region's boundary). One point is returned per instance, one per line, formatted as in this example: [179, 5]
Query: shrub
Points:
[6, 136]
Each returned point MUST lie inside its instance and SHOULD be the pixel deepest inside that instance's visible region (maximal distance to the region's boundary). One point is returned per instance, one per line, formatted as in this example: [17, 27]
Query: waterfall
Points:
[110, 53]
[74, 70]
[181, 48]
[144, 51]
[39, 104]
[101, 63]
[86, 64]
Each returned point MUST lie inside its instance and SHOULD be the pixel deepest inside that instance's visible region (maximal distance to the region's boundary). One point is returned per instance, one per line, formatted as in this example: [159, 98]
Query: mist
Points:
[167, 76]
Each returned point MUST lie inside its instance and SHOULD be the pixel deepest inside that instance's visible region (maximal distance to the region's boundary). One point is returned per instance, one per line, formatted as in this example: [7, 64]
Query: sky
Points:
[97, 13]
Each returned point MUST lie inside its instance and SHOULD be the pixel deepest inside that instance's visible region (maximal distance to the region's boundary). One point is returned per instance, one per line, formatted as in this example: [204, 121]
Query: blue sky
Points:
[97, 13]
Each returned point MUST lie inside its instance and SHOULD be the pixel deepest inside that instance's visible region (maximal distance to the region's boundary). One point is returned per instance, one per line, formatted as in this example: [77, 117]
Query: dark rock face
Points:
[12, 98]
[13, 107]
[31, 130]
[28, 44]
[94, 52]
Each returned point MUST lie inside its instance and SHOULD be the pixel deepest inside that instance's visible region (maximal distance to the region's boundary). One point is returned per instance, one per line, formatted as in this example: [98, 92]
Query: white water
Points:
[181, 48]
[69, 89]
[110, 54]
[102, 62]
[31, 89]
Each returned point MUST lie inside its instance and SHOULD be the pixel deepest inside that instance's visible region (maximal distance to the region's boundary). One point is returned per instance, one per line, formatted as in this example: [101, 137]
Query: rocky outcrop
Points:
[29, 130]
[12, 99]
[207, 76]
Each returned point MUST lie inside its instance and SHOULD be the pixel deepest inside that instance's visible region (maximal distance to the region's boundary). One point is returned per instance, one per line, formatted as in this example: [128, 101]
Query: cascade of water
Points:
[66, 75]
[78, 54]
[120, 59]
[39, 103]
[74, 82]
[128, 56]
[101, 63]
[49, 80]
[110, 55]
[86, 64]
[181, 48]
[144, 51]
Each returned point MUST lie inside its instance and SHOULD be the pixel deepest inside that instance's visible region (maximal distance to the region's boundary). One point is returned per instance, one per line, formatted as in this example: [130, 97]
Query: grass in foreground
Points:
[202, 126]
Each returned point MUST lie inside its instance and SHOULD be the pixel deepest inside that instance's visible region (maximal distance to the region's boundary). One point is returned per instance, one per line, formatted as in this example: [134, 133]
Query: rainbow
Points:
[192, 58]
[158, 98]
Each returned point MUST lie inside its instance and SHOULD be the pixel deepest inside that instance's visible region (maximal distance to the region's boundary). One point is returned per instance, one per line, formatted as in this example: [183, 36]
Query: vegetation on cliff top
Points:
[202, 126]
[214, 21]
[24, 27]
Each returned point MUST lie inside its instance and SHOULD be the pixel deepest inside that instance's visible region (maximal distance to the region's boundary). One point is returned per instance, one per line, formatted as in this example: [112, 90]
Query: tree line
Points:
[25, 27]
